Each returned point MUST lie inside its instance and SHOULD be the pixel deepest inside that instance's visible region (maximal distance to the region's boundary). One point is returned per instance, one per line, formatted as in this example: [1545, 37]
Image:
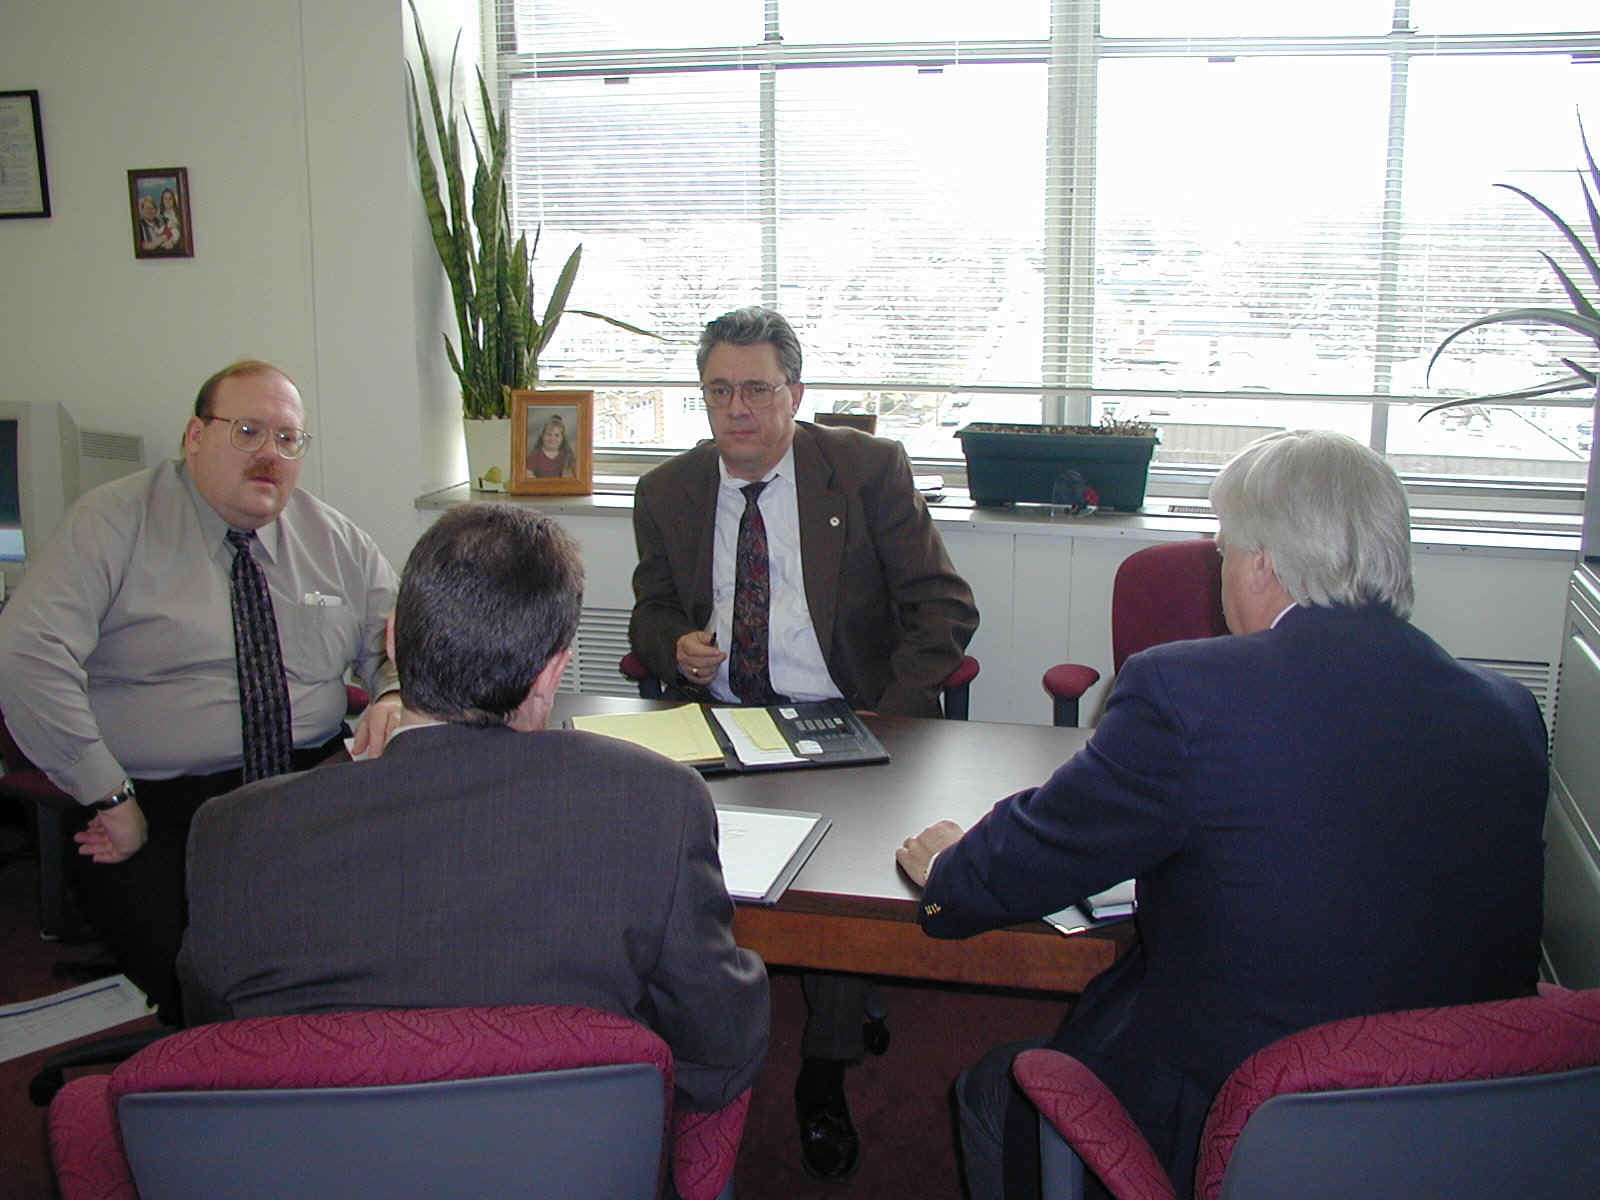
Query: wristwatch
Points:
[117, 798]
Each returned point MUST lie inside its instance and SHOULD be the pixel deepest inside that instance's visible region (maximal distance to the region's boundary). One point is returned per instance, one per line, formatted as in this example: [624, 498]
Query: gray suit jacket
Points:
[891, 615]
[480, 867]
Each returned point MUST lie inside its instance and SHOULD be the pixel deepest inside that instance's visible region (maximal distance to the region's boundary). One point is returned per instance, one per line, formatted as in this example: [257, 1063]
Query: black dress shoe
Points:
[829, 1147]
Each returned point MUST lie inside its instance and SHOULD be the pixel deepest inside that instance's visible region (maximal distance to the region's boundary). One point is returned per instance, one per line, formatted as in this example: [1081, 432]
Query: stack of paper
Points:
[1110, 905]
[1115, 901]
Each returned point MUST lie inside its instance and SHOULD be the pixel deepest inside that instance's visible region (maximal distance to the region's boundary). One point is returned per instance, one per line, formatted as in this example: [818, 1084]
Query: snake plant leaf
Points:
[584, 312]
[490, 272]
[558, 297]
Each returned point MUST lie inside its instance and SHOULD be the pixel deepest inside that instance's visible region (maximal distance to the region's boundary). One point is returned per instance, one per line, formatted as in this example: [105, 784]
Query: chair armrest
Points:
[1069, 681]
[85, 1145]
[1094, 1123]
[704, 1147]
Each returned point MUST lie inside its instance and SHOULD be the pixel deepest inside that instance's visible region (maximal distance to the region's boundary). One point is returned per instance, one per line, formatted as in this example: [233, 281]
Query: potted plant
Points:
[1583, 317]
[500, 332]
[1075, 466]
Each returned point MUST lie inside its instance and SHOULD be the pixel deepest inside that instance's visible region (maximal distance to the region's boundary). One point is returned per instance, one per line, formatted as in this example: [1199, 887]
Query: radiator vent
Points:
[601, 643]
[1537, 677]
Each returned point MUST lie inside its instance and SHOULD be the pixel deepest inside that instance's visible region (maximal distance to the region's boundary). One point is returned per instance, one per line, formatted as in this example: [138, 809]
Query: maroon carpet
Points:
[900, 1101]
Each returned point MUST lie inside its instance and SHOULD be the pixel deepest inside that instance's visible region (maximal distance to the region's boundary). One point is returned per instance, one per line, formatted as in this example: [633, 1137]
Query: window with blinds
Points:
[1225, 217]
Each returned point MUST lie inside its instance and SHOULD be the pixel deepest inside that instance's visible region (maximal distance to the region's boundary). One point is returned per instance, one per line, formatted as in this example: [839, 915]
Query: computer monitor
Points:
[47, 462]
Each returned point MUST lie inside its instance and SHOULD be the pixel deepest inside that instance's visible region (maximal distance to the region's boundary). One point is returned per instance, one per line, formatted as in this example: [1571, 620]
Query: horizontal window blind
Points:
[1225, 217]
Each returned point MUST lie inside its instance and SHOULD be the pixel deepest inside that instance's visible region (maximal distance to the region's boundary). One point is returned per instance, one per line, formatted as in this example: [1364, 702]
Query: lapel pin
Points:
[834, 521]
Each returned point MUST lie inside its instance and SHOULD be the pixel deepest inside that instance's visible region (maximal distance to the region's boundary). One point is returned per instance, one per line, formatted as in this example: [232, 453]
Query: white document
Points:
[745, 748]
[75, 1013]
[763, 849]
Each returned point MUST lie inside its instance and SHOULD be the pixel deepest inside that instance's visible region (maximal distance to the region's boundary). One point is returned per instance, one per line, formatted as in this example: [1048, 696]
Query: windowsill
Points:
[1162, 518]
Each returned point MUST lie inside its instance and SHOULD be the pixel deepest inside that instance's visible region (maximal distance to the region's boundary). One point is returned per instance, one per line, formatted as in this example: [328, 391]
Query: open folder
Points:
[763, 849]
[814, 733]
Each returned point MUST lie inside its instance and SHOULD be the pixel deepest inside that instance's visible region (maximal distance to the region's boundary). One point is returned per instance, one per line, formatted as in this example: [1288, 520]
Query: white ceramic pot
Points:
[489, 453]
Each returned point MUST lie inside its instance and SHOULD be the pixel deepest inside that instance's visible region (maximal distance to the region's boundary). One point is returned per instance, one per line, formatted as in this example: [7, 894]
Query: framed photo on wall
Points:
[552, 443]
[24, 186]
[158, 201]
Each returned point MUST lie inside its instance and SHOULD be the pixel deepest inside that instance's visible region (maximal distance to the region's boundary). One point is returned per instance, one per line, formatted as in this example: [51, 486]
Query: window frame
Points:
[1072, 53]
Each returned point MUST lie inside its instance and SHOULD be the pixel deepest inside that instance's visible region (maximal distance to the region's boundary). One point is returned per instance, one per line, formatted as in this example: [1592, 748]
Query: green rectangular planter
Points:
[1033, 465]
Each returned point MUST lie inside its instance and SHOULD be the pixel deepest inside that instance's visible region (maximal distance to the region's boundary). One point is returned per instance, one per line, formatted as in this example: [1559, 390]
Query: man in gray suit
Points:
[483, 859]
[858, 599]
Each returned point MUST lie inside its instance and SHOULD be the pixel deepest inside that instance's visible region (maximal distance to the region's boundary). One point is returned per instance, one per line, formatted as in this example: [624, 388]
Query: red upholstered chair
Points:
[1479, 1100]
[511, 1101]
[956, 691]
[1164, 593]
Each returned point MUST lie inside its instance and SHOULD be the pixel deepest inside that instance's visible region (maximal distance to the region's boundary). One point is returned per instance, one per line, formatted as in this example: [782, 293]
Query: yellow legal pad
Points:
[760, 728]
[681, 734]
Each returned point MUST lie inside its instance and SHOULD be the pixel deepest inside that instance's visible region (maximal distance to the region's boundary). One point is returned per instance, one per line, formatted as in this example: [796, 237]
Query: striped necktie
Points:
[264, 716]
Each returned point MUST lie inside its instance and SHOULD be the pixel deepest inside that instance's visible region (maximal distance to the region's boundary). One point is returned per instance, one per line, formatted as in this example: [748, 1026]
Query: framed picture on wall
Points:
[552, 443]
[158, 201]
[24, 187]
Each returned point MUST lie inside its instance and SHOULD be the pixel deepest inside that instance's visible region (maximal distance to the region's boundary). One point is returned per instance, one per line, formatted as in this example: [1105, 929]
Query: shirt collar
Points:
[215, 529]
[784, 470]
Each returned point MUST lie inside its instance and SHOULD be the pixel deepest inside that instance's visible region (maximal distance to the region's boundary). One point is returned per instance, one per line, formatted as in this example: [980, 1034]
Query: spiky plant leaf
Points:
[490, 272]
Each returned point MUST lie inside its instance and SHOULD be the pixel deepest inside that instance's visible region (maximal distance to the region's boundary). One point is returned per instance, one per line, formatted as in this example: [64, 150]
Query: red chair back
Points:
[371, 1050]
[1166, 593]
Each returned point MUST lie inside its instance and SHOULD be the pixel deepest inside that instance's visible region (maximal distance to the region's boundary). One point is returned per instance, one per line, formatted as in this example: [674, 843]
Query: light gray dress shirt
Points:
[116, 652]
[794, 656]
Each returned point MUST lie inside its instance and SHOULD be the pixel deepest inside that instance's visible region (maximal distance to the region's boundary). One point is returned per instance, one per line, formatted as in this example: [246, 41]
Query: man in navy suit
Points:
[1326, 814]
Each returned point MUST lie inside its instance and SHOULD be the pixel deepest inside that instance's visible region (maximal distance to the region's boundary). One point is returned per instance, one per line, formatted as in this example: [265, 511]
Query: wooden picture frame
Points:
[158, 202]
[24, 185]
[569, 471]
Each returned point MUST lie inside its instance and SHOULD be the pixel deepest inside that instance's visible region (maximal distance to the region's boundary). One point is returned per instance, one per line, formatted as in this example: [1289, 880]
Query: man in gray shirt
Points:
[118, 675]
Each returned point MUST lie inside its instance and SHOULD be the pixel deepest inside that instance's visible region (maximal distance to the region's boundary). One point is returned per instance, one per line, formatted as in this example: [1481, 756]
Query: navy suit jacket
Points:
[1327, 818]
[480, 866]
[890, 613]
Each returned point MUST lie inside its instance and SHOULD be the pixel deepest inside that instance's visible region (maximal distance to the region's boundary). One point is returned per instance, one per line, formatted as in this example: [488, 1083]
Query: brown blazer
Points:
[891, 615]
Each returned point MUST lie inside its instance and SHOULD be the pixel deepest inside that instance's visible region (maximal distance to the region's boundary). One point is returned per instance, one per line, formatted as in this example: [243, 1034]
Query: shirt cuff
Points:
[93, 777]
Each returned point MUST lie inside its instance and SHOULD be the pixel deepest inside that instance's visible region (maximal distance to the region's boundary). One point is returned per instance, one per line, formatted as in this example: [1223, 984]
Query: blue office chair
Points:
[506, 1101]
[955, 692]
[1473, 1101]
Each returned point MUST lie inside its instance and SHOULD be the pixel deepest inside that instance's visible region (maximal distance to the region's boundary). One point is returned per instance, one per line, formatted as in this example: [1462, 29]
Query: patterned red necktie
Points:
[264, 716]
[748, 673]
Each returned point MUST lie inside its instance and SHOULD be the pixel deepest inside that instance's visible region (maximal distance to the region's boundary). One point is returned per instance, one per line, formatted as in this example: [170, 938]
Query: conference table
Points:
[850, 908]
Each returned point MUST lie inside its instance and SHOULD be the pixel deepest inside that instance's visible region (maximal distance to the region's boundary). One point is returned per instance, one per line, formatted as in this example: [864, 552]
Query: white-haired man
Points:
[1327, 815]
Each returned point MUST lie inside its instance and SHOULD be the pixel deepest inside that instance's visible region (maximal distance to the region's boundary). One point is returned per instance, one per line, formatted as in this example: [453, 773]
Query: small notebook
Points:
[1113, 904]
[712, 738]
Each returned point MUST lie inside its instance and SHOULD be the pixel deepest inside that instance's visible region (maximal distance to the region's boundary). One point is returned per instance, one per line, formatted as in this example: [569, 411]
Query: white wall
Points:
[310, 246]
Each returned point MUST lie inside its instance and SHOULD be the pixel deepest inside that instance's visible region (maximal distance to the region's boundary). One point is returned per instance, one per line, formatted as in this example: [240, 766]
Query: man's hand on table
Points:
[915, 855]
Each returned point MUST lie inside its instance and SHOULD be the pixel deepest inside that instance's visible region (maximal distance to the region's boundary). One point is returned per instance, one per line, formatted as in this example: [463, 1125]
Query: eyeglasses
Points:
[757, 393]
[246, 435]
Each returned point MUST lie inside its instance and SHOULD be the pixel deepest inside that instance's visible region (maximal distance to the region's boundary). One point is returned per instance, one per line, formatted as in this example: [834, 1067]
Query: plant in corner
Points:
[490, 272]
[1583, 317]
